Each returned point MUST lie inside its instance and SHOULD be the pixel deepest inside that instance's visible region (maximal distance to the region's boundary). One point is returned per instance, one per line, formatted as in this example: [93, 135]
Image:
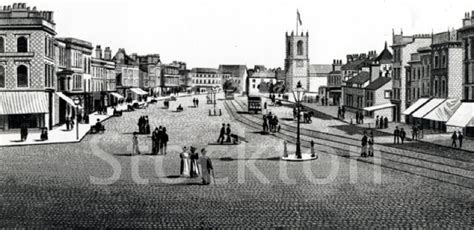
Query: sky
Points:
[206, 33]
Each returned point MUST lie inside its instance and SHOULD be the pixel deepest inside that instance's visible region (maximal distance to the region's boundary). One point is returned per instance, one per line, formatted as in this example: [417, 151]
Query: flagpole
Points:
[296, 22]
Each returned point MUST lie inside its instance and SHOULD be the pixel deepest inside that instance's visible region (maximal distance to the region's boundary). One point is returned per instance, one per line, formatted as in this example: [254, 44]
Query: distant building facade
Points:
[238, 75]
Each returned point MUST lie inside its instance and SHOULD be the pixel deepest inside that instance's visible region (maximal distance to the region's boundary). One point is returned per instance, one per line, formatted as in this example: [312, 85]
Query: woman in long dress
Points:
[184, 162]
[194, 170]
[135, 149]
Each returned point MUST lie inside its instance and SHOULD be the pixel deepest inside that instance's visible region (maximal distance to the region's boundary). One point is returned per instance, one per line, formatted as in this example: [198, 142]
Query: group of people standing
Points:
[270, 123]
[381, 123]
[224, 134]
[341, 112]
[399, 135]
[457, 138]
[417, 131]
[196, 102]
[159, 140]
[367, 141]
[143, 125]
[192, 165]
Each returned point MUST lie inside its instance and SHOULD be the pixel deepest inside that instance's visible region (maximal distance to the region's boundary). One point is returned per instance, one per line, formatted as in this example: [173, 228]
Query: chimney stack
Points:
[107, 53]
[98, 52]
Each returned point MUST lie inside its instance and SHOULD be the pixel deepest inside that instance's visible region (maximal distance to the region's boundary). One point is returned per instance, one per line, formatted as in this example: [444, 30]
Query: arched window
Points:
[2, 77]
[22, 76]
[288, 49]
[2, 45]
[22, 44]
[299, 48]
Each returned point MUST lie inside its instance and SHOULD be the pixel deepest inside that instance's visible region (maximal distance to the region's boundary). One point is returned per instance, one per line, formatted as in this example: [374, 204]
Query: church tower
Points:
[297, 60]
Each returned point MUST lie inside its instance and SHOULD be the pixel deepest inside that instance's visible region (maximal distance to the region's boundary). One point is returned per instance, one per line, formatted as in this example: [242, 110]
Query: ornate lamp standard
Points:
[77, 102]
[298, 94]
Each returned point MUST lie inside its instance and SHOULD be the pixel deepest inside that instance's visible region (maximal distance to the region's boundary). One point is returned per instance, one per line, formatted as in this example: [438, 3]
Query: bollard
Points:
[209, 112]
[313, 154]
[220, 112]
[285, 152]
[214, 112]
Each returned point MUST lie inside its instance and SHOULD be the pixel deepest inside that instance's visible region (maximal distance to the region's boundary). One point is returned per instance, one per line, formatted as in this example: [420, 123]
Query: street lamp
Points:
[214, 91]
[77, 102]
[298, 94]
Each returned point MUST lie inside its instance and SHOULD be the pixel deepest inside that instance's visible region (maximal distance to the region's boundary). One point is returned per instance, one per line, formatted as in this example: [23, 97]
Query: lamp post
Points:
[77, 102]
[298, 93]
[214, 90]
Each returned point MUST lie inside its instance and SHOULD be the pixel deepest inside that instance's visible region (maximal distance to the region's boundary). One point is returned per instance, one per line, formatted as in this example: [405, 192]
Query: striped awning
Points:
[23, 103]
[116, 95]
[138, 91]
[66, 98]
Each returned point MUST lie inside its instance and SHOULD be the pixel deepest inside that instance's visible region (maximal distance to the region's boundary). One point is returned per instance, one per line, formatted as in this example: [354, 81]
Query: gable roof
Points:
[357, 64]
[379, 82]
[360, 78]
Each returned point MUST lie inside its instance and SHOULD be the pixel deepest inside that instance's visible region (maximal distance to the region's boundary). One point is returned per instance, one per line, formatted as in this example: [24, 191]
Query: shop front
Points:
[23, 108]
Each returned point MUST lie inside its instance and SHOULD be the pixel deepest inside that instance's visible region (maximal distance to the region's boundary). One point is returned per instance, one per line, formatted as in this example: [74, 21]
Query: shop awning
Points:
[428, 107]
[379, 107]
[138, 91]
[116, 95]
[23, 103]
[415, 106]
[444, 111]
[66, 98]
[463, 117]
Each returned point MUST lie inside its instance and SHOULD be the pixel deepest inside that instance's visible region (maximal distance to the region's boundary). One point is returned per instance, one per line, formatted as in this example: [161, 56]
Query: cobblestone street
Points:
[56, 185]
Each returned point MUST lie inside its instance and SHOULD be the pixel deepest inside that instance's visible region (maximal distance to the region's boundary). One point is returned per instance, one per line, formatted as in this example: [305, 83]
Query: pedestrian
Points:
[228, 132]
[206, 167]
[454, 137]
[67, 123]
[343, 112]
[140, 122]
[371, 144]
[420, 130]
[377, 122]
[194, 170]
[154, 142]
[135, 149]
[159, 137]
[197, 102]
[357, 117]
[22, 132]
[221, 135]
[460, 138]
[363, 152]
[413, 132]
[386, 122]
[403, 135]
[396, 136]
[275, 123]
[147, 125]
[264, 125]
[361, 116]
[339, 115]
[184, 170]
[164, 141]
[194, 101]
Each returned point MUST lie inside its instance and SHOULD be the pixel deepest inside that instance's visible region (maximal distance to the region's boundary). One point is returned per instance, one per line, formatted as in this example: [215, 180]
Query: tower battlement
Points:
[292, 34]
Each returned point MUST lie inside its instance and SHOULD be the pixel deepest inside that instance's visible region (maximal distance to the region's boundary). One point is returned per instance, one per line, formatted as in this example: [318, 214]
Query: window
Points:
[22, 76]
[443, 60]
[299, 48]
[2, 77]
[22, 44]
[387, 94]
[435, 88]
[77, 82]
[472, 48]
[48, 76]
[2, 45]
[436, 61]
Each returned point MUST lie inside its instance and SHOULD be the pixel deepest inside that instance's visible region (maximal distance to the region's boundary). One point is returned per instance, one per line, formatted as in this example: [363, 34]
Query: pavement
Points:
[60, 134]
[96, 183]
[430, 136]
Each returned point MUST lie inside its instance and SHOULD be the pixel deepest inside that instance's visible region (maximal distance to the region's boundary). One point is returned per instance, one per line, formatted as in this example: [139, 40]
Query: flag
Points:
[299, 17]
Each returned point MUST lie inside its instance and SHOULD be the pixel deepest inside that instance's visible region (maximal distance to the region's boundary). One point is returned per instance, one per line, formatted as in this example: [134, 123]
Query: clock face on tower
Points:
[299, 63]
